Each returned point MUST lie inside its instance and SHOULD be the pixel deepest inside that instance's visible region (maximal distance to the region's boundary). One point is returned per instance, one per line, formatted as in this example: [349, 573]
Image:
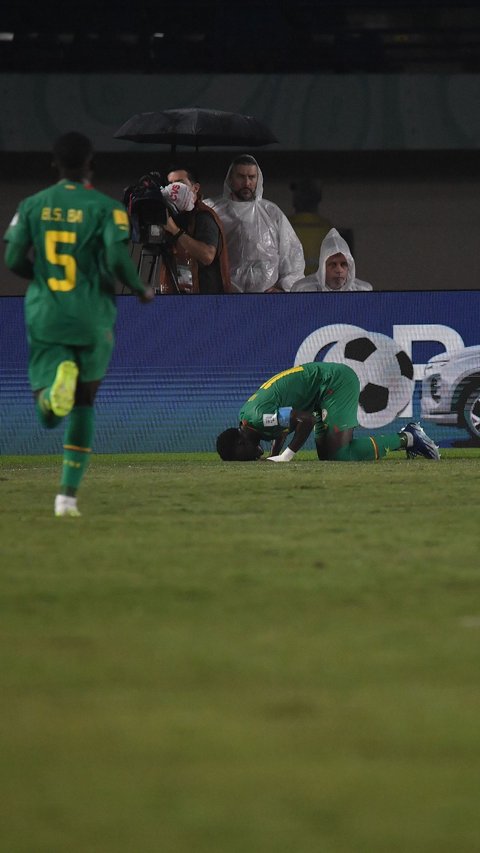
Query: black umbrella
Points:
[195, 126]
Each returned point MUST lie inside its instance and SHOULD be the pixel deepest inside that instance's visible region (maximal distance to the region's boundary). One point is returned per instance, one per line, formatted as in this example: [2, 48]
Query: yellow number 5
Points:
[52, 238]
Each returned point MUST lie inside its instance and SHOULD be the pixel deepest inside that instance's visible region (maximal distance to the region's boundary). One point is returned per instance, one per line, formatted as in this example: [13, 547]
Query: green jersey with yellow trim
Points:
[69, 226]
[305, 388]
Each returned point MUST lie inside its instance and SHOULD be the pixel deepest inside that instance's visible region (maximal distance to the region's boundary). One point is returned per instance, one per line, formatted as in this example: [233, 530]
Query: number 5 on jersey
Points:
[52, 239]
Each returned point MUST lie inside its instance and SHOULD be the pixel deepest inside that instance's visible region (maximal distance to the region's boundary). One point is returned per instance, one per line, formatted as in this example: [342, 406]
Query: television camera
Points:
[149, 204]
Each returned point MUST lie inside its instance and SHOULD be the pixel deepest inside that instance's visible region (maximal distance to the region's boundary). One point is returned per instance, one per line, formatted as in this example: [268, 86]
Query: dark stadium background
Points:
[251, 36]
[407, 208]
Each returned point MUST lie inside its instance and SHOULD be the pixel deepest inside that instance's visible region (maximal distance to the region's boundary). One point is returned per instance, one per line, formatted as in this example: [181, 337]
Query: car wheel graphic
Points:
[471, 413]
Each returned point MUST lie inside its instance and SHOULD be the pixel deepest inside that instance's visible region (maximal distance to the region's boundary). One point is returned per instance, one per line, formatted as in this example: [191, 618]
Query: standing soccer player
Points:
[322, 396]
[79, 240]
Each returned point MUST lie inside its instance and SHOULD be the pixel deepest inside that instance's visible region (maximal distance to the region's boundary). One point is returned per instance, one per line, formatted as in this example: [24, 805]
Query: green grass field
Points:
[248, 658]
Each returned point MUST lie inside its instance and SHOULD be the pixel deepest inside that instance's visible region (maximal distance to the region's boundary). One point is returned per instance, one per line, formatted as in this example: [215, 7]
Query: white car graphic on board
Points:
[451, 390]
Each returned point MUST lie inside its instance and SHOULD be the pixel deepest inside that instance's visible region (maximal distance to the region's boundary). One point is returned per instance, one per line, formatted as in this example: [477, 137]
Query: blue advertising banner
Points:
[183, 366]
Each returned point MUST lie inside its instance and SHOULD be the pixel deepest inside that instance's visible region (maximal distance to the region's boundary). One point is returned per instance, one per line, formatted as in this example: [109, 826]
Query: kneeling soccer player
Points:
[78, 237]
[321, 396]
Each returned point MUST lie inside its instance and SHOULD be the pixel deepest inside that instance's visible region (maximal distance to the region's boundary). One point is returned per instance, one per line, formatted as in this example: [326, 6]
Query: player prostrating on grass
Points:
[321, 396]
[70, 241]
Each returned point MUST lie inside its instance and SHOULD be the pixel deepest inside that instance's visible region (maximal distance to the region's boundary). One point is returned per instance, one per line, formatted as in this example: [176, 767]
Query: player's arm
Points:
[19, 243]
[277, 445]
[301, 424]
[121, 264]
[17, 259]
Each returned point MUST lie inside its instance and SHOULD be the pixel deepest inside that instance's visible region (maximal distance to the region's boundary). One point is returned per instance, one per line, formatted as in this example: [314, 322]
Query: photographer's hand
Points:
[201, 252]
[172, 227]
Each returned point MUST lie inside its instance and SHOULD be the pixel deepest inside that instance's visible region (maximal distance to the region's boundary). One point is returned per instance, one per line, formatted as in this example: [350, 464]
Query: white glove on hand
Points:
[180, 195]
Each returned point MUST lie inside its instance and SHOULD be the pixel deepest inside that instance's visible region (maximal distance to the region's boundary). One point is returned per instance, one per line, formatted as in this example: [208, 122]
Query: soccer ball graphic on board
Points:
[385, 372]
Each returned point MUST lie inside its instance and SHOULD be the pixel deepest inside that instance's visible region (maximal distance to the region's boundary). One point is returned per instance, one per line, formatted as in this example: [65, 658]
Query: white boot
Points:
[65, 505]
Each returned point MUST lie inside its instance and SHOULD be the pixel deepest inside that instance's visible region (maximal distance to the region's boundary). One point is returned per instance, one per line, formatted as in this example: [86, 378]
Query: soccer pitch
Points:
[241, 658]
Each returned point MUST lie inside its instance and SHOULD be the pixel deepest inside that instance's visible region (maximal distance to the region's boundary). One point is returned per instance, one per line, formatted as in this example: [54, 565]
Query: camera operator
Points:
[198, 241]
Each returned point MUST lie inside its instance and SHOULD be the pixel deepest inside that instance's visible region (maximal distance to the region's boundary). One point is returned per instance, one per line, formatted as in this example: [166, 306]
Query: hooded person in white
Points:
[341, 272]
[265, 253]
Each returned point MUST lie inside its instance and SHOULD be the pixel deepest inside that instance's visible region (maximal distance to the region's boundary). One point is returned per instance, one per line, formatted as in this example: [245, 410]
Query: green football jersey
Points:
[69, 226]
[307, 388]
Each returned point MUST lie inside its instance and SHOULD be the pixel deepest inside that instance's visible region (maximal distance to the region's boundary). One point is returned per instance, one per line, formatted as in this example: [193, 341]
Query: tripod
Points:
[154, 254]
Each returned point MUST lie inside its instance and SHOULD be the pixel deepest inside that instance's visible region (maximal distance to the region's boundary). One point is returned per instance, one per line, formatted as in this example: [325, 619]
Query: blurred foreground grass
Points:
[241, 658]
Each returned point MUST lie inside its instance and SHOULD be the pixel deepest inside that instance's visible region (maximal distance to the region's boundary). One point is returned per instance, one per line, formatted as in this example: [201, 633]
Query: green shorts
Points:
[340, 402]
[44, 358]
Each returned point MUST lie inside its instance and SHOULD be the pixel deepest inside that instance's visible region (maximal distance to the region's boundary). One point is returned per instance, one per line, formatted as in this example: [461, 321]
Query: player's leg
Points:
[52, 372]
[44, 414]
[342, 447]
[80, 429]
[335, 423]
[77, 447]
[418, 443]
[334, 428]
[366, 448]
[60, 396]
[411, 438]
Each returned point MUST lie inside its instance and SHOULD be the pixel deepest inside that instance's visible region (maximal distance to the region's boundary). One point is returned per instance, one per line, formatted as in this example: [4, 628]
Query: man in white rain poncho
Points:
[265, 254]
[336, 269]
